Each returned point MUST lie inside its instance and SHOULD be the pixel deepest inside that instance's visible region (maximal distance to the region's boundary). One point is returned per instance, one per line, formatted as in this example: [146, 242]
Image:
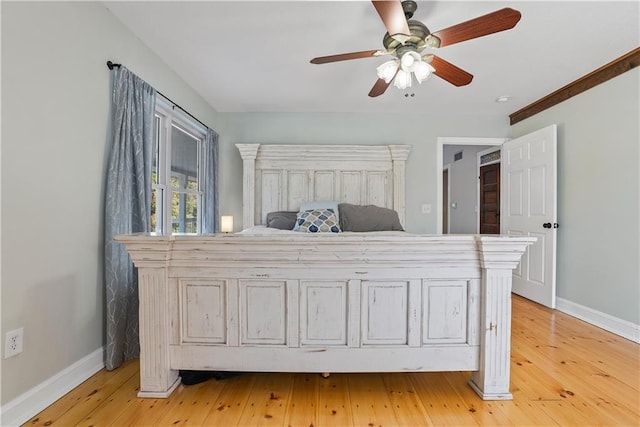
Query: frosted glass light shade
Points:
[226, 223]
[387, 70]
[408, 60]
[422, 70]
[402, 80]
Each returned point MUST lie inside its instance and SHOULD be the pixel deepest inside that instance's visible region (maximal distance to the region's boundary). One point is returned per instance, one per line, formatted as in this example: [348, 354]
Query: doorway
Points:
[528, 204]
[467, 206]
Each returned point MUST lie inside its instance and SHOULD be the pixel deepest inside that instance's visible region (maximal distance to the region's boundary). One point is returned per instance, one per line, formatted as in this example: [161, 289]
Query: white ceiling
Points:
[253, 56]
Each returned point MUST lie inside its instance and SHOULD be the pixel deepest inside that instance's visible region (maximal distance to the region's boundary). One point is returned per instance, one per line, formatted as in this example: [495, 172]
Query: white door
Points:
[529, 208]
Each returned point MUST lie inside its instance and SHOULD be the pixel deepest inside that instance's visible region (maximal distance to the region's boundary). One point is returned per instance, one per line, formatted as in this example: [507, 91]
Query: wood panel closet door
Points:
[490, 199]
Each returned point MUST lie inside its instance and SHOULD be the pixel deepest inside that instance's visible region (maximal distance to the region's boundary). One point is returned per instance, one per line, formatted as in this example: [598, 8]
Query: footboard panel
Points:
[327, 359]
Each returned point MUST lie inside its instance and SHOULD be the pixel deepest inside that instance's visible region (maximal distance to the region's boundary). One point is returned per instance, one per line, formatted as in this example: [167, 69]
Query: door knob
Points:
[549, 225]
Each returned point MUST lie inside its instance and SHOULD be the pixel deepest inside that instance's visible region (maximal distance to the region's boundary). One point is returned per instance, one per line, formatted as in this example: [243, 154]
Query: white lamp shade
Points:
[402, 80]
[226, 223]
[387, 70]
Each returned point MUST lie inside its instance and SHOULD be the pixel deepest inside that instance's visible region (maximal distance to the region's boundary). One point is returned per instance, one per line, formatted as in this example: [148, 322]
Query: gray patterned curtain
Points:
[210, 217]
[127, 208]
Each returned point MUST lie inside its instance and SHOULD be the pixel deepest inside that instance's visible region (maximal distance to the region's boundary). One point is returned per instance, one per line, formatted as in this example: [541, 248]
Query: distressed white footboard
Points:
[329, 303]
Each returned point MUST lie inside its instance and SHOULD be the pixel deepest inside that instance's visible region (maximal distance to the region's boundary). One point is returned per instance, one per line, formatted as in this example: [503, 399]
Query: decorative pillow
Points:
[281, 220]
[328, 204]
[368, 218]
[318, 221]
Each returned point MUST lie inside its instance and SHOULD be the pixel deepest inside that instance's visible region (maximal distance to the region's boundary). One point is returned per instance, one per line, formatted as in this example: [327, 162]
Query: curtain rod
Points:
[112, 65]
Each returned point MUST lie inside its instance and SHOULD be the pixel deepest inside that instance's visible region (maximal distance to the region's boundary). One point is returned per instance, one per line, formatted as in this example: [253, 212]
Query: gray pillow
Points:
[281, 220]
[368, 218]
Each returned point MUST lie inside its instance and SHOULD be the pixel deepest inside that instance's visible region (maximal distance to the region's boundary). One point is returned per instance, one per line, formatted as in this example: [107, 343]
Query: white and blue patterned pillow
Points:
[327, 204]
[318, 221]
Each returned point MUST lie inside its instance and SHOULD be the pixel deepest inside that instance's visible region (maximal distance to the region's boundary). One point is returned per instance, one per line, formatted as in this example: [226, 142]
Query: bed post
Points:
[399, 155]
[157, 379]
[498, 258]
[248, 152]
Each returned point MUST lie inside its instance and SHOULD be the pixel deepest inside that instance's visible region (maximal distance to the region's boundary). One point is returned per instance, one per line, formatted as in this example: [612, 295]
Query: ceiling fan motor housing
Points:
[417, 39]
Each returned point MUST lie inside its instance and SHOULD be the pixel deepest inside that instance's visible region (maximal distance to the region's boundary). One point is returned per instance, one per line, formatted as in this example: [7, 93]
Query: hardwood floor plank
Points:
[142, 412]
[405, 401]
[440, 400]
[231, 402]
[302, 409]
[370, 405]
[530, 380]
[565, 413]
[575, 372]
[496, 412]
[191, 404]
[522, 412]
[552, 326]
[110, 408]
[268, 400]
[334, 404]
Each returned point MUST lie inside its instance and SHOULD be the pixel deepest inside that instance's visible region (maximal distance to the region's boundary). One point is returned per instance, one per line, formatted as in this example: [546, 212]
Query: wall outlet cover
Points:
[13, 343]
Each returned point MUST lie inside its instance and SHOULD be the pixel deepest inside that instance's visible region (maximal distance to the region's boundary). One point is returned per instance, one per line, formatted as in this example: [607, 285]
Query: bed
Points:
[275, 301]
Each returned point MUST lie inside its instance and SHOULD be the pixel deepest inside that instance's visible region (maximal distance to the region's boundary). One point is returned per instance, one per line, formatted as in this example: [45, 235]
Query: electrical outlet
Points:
[13, 343]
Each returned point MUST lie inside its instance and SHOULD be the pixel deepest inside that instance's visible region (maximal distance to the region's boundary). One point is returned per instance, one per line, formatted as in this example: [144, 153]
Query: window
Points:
[177, 172]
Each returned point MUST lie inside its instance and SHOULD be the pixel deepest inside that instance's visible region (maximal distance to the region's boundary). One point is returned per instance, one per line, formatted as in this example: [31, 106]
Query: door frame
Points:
[447, 168]
[448, 140]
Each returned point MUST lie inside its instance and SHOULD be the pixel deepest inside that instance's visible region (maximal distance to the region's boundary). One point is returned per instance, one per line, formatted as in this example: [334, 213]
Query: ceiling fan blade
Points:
[500, 20]
[392, 16]
[346, 56]
[379, 88]
[449, 72]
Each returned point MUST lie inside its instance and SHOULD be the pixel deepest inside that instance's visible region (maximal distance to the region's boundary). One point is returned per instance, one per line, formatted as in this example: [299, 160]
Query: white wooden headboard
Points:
[282, 177]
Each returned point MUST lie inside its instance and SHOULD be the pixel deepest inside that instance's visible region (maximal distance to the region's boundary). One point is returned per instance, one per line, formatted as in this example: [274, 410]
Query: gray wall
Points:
[419, 131]
[598, 195]
[55, 107]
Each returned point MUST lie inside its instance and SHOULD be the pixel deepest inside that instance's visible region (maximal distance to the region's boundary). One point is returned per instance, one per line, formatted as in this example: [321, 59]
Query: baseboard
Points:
[617, 326]
[28, 404]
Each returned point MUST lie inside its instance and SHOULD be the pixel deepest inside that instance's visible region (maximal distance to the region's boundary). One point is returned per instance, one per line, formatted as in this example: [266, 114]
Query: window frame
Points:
[169, 118]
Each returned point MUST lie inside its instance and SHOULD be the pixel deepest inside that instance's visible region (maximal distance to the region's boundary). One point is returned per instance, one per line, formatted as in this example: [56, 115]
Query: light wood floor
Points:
[564, 372]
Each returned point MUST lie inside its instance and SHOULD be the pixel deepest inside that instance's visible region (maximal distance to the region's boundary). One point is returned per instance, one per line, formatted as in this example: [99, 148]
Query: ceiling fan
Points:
[406, 39]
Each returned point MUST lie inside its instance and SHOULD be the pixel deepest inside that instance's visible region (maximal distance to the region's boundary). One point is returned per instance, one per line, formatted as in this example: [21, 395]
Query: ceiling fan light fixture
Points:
[387, 70]
[422, 70]
[408, 60]
[402, 80]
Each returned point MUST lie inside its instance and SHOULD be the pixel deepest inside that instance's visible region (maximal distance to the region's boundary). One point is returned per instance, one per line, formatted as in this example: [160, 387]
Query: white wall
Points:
[598, 195]
[419, 131]
[55, 107]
